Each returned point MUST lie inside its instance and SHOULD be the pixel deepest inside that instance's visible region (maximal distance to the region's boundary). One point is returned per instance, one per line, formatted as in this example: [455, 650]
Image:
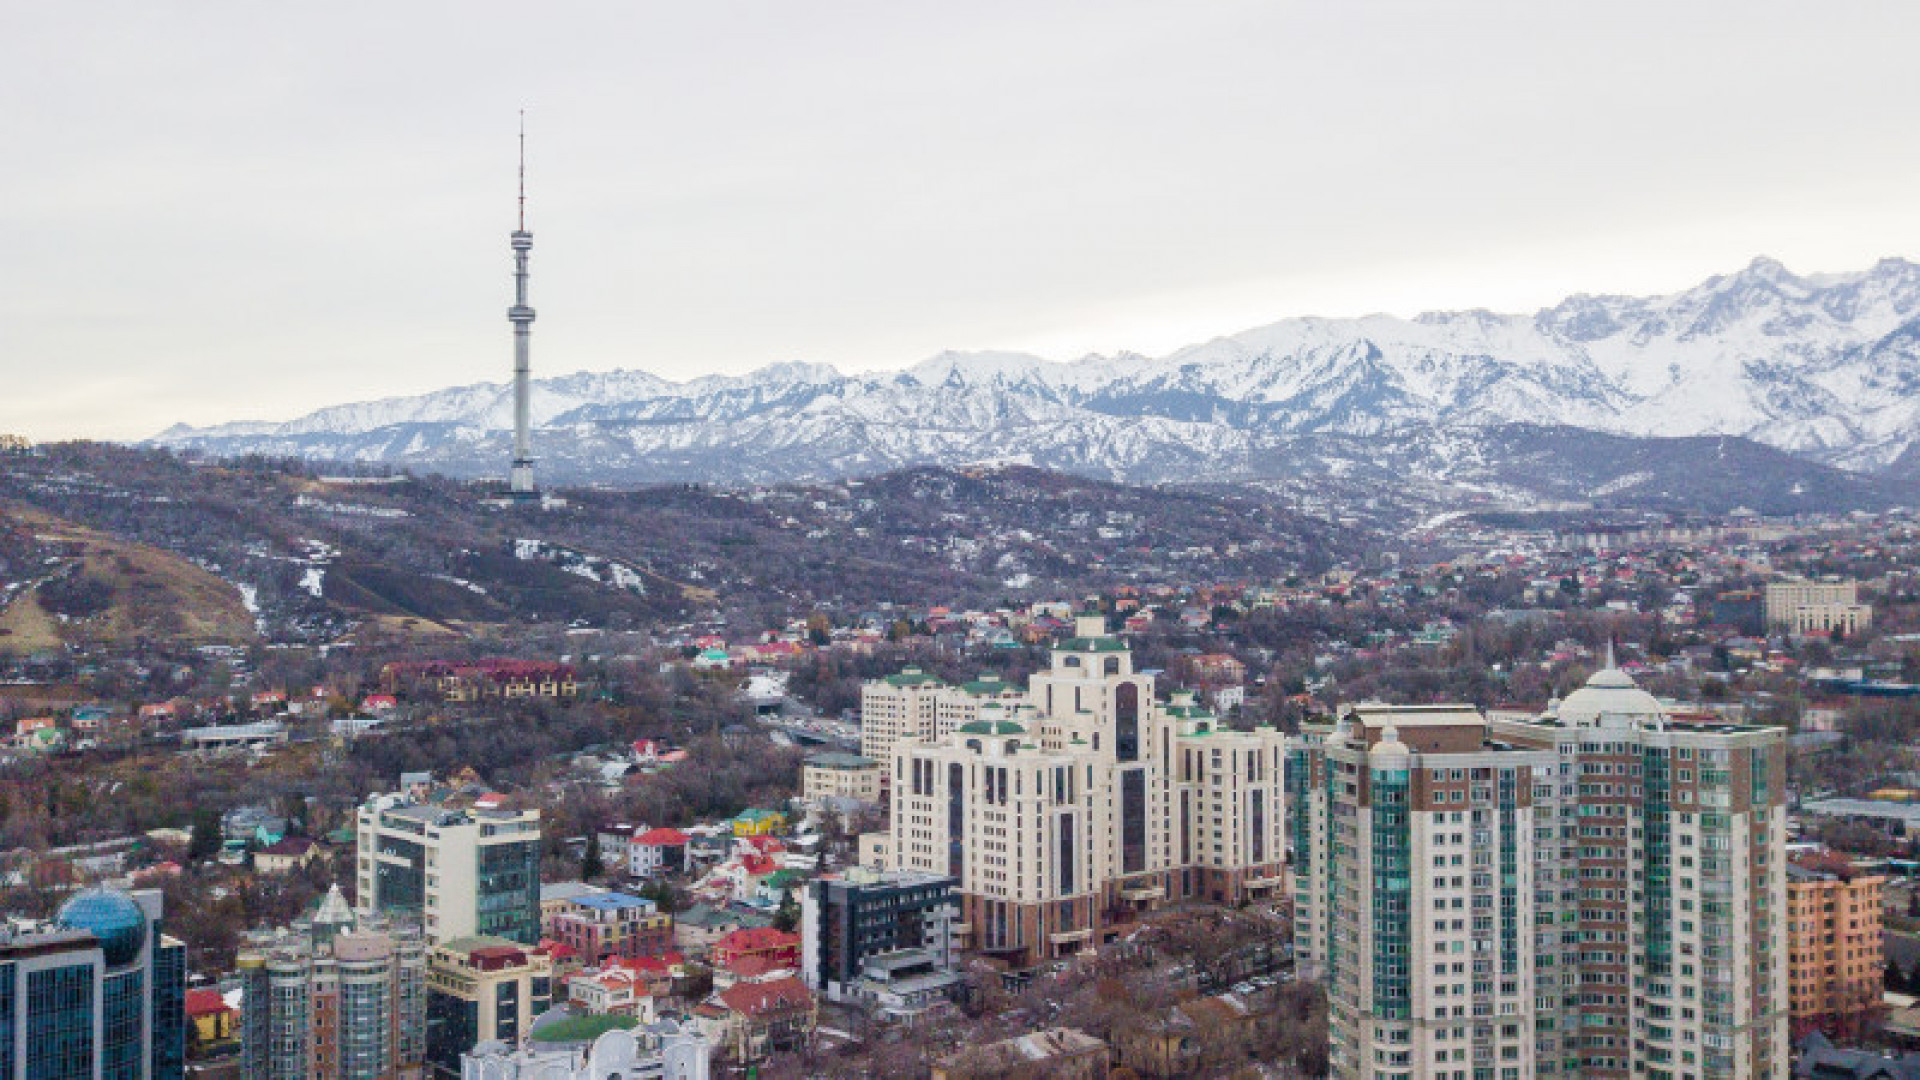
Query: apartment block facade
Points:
[1800, 606]
[332, 998]
[1836, 969]
[1066, 812]
[1597, 892]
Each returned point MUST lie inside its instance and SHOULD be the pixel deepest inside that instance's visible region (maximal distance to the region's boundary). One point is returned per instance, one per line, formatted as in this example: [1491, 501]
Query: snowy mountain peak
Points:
[1827, 365]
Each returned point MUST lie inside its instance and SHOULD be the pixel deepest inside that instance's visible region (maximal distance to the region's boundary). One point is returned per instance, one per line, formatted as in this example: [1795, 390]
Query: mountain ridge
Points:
[1823, 366]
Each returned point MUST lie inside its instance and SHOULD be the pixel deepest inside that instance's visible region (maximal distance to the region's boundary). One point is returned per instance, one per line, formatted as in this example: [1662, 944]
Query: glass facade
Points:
[122, 1053]
[1392, 893]
[509, 891]
[1126, 722]
[1133, 821]
[60, 1012]
[400, 888]
[169, 1009]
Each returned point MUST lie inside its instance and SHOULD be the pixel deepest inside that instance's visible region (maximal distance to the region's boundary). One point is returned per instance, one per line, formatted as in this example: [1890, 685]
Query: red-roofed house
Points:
[750, 1019]
[778, 946]
[611, 991]
[379, 703]
[657, 851]
[210, 1020]
[760, 968]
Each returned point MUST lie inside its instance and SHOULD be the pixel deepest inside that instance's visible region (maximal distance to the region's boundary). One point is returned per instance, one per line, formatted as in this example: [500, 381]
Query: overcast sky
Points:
[223, 210]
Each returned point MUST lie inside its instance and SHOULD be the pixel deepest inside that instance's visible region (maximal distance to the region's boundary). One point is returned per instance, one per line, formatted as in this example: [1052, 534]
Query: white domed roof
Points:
[1610, 694]
[1389, 749]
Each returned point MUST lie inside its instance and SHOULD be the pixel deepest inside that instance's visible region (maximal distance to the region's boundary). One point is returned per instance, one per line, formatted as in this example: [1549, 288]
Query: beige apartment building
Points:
[834, 775]
[916, 705]
[1597, 892]
[1835, 965]
[1801, 606]
[1066, 813]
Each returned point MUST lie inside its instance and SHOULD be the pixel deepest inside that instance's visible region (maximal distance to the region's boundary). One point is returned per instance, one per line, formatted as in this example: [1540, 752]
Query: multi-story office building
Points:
[1801, 606]
[333, 998]
[880, 939]
[482, 989]
[1835, 972]
[1597, 892]
[97, 994]
[461, 871]
[1064, 816]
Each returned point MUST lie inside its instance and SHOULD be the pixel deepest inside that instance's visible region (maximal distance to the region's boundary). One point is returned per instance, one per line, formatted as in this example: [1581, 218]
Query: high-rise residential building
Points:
[916, 705]
[1596, 892]
[98, 993]
[333, 997]
[460, 870]
[897, 707]
[1800, 606]
[482, 989]
[1065, 813]
[883, 940]
[1835, 967]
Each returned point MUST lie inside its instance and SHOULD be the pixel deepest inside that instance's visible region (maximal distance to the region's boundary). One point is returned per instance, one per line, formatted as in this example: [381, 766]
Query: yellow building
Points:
[759, 823]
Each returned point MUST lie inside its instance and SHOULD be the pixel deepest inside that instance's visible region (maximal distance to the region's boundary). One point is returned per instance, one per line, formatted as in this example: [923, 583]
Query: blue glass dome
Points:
[111, 916]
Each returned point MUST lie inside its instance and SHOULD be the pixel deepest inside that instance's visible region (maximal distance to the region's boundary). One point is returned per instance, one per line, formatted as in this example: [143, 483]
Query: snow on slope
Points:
[1826, 365]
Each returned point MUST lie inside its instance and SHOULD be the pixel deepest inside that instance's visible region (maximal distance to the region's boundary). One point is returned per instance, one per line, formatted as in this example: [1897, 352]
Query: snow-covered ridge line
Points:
[1824, 365]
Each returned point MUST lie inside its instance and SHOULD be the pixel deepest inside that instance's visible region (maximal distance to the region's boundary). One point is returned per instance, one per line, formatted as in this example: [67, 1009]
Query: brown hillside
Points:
[113, 591]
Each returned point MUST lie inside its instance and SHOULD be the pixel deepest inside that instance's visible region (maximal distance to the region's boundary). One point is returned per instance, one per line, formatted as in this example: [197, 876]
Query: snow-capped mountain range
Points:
[1826, 367]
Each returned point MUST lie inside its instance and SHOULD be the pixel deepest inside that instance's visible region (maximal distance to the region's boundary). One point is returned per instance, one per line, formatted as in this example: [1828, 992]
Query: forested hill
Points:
[312, 557]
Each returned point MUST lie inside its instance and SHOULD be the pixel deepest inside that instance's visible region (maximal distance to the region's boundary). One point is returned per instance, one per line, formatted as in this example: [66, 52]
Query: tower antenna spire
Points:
[523, 170]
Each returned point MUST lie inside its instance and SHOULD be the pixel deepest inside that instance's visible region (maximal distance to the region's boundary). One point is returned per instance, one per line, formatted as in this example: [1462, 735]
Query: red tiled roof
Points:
[757, 939]
[756, 965]
[663, 838]
[754, 999]
[206, 1003]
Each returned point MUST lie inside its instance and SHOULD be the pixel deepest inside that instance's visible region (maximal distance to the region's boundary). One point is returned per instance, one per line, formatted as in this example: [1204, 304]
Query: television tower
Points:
[520, 479]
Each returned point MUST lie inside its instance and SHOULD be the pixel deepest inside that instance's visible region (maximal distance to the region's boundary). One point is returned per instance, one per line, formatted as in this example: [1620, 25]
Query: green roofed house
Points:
[758, 822]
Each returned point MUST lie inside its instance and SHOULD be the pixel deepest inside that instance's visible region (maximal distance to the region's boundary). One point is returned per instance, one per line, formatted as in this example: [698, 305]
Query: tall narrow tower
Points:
[520, 479]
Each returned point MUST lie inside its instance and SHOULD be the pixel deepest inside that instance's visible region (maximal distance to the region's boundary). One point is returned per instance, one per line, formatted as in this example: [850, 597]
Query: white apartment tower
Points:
[1065, 815]
[1599, 892]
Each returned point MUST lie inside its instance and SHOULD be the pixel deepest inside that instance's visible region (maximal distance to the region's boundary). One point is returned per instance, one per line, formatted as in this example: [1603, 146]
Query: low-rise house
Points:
[1055, 1054]
[657, 851]
[777, 946]
[749, 1020]
[286, 855]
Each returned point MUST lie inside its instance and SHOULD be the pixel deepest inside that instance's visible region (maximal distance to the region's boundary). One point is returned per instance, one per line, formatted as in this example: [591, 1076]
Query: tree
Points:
[592, 865]
[205, 843]
[788, 916]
